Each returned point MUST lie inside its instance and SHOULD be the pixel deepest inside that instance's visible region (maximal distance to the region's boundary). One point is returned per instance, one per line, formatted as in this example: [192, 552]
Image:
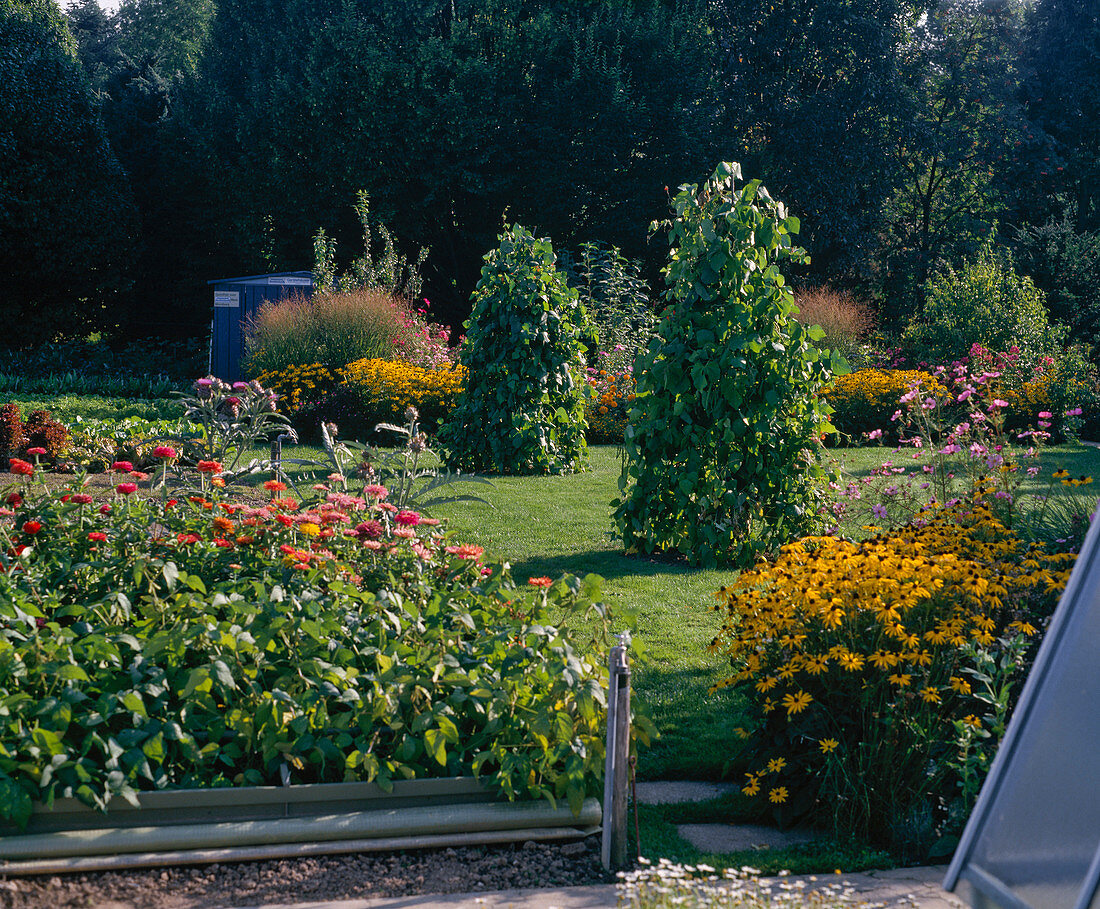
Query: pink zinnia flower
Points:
[126, 489]
[165, 452]
[105, 508]
[82, 498]
[407, 518]
[375, 491]
[122, 467]
[36, 451]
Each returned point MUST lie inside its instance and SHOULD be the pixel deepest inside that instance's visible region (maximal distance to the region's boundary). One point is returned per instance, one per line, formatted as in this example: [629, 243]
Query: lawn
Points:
[553, 525]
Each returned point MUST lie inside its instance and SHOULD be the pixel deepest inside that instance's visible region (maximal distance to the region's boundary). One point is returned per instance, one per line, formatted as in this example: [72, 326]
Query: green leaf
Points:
[435, 746]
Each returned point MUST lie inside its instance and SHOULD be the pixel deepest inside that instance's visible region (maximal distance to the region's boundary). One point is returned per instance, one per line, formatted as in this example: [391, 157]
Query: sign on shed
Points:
[236, 301]
[1033, 839]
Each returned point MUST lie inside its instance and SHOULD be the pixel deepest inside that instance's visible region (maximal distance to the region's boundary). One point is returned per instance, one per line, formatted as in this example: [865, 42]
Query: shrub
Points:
[843, 318]
[201, 643]
[1065, 263]
[43, 431]
[721, 451]
[522, 410]
[988, 303]
[865, 663]
[12, 437]
[384, 390]
[864, 401]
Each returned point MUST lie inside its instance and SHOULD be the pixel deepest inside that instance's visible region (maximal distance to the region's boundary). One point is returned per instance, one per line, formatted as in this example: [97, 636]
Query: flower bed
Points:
[194, 642]
[880, 672]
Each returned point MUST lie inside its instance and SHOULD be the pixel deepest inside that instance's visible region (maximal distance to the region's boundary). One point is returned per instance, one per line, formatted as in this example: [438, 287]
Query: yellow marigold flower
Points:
[752, 786]
[827, 745]
[309, 529]
[930, 695]
[901, 679]
[796, 703]
[778, 795]
[776, 764]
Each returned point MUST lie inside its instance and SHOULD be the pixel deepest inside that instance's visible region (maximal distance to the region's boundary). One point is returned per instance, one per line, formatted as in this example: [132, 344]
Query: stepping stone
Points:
[664, 792]
[725, 838]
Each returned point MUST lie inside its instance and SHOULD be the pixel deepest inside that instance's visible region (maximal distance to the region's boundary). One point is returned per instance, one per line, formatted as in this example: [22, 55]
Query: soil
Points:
[315, 879]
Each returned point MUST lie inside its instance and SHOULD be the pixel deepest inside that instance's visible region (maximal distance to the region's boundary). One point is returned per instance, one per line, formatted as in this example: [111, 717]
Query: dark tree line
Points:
[184, 140]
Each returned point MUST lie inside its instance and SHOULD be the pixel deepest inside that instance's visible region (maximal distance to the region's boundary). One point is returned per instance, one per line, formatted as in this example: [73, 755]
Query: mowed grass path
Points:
[555, 525]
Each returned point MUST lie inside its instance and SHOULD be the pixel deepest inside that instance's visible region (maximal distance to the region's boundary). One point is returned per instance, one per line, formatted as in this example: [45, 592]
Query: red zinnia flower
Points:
[122, 466]
[23, 468]
[186, 539]
[285, 520]
[36, 451]
[82, 498]
[539, 582]
[209, 467]
[274, 486]
[14, 500]
[126, 489]
[224, 544]
[164, 452]
[105, 508]
[30, 528]
[369, 530]
[97, 536]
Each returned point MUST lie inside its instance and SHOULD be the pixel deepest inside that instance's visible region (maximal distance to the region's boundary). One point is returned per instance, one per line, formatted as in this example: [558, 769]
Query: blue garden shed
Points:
[236, 301]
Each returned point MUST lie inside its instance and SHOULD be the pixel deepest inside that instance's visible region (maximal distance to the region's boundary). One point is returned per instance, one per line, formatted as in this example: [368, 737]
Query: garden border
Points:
[247, 823]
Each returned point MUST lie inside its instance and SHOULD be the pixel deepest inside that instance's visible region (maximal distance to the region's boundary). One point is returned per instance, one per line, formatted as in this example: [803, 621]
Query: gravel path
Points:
[317, 878]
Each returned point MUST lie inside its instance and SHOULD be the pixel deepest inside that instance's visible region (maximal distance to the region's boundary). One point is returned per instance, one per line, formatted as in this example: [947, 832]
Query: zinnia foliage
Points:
[721, 456]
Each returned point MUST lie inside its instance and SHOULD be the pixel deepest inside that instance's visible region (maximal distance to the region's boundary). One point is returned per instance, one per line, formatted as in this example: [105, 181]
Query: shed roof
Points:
[263, 279]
